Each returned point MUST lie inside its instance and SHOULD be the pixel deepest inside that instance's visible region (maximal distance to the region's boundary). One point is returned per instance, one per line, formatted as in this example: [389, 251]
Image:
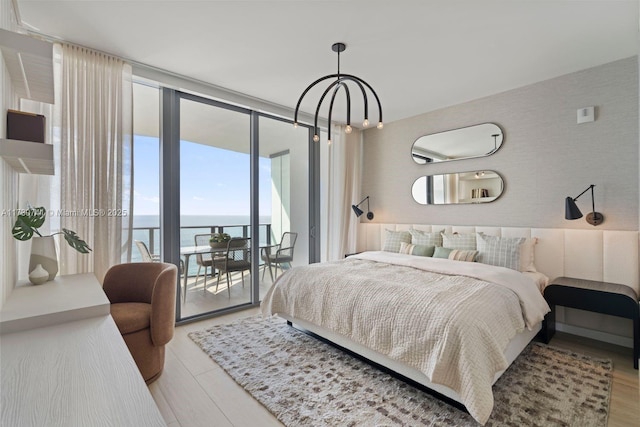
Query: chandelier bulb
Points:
[295, 124]
[348, 129]
[380, 125]
[316, 138]
[328, 142]
[365, 123]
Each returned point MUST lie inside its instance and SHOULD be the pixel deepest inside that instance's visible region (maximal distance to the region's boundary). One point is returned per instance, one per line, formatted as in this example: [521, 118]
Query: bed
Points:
[449, 325]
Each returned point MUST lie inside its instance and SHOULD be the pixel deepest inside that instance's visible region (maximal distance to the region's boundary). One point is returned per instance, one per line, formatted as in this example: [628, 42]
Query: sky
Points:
[213, 181]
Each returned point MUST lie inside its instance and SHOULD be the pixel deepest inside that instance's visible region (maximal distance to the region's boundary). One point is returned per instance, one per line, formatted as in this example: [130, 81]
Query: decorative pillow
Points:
[455, 254]
[463, 242]
[500, 251]
[393, 239]
[419, 250]
[527, 251]
[426, 238]
[441, 252]
[459, 255]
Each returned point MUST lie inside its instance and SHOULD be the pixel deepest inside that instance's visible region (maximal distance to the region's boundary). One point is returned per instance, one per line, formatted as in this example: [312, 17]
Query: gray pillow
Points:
[463, 242]
[393, 239]
[426, 238]
[441, 252]
[500, 251]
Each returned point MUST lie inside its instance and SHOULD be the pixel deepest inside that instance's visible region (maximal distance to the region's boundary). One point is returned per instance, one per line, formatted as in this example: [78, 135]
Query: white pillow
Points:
[527, 255]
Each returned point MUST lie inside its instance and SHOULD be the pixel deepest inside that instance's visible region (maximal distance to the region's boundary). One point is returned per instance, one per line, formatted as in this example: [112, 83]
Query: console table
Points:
[601, 297]
[64, 362]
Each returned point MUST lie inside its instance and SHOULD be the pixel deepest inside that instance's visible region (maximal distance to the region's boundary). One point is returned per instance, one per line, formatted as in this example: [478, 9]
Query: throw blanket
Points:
[452, 327]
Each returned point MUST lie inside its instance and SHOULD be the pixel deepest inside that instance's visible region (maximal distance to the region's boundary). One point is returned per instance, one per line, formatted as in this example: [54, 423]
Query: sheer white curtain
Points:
[94, 115]
[344, 175]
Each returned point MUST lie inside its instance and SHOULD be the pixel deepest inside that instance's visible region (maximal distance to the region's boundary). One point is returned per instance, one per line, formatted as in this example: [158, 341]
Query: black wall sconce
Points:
[359, 211]
[571, 210]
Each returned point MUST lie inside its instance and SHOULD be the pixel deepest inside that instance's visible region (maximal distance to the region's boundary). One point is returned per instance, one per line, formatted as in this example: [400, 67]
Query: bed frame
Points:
[400, 370]
[602, 255]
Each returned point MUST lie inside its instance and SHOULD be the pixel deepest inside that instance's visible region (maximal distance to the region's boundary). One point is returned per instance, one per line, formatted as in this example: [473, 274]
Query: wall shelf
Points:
[30, 65]
[28, 157]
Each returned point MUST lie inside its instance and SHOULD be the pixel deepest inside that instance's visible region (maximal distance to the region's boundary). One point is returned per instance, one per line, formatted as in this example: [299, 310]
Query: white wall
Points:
[8, 177]
[545, 157]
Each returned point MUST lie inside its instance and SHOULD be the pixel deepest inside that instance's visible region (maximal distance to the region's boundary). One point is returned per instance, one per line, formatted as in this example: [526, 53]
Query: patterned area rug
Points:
[305, 382]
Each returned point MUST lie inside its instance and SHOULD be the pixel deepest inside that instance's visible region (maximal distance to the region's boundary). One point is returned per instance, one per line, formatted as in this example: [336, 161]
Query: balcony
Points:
[198, 300]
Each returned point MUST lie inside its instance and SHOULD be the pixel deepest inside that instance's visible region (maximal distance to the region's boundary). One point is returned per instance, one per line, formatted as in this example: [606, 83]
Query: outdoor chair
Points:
[280, 255]
[236, 258]
[204, 260]
[147, 256]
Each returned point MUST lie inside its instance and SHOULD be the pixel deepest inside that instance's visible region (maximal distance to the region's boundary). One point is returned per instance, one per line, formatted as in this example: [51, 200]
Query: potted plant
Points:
[219, 240]
[43, 249]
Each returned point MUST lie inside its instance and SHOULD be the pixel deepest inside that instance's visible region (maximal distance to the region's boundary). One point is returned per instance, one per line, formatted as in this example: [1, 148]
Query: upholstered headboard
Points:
[604, 255]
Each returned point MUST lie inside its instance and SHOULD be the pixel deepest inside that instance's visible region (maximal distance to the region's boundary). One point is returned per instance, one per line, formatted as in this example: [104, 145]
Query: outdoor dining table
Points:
[188, 251]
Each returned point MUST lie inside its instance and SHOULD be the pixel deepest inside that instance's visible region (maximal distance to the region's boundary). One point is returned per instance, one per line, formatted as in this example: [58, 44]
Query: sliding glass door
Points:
[206, 172]
[284, 156]
[146, 166]
[215, 205]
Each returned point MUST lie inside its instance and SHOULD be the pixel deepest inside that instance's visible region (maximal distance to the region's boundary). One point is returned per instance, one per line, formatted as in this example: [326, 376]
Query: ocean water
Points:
[146, 228]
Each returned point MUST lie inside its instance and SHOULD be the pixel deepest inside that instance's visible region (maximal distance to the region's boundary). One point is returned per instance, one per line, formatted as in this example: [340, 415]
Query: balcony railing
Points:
[151, 235]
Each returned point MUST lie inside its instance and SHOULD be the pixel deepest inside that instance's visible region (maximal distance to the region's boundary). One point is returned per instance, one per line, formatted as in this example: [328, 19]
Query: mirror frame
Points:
[480, 175]
[498, 142]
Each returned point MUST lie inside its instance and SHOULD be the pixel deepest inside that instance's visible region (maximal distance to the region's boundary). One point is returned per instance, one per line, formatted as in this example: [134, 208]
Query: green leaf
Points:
[75, 241]
[28, 223]
[22, 230]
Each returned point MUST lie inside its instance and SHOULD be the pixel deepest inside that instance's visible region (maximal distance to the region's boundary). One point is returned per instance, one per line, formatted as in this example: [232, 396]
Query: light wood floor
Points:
[194, 391]
[199, 301]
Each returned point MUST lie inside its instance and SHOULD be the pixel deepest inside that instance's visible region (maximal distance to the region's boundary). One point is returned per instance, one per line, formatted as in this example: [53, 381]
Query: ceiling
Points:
[419, 56]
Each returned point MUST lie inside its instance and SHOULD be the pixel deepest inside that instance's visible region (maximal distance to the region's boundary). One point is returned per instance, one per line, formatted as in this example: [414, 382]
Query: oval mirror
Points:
[458, 188]
[472, 141]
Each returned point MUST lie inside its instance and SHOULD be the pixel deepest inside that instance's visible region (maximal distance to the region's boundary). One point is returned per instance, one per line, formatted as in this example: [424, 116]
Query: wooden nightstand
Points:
[590, 295]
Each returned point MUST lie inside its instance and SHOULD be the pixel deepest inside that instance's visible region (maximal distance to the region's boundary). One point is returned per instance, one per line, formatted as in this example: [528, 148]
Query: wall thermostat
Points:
[586, 114]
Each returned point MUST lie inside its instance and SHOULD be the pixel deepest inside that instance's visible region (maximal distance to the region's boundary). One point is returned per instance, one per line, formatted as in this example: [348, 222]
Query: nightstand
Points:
[590, 295]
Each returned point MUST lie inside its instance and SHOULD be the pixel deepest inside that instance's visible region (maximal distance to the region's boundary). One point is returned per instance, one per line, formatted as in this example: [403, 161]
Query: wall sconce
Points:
[359, 211]
[571, 210]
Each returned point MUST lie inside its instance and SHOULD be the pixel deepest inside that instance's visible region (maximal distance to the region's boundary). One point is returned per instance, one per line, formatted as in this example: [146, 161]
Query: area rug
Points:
[306, 382]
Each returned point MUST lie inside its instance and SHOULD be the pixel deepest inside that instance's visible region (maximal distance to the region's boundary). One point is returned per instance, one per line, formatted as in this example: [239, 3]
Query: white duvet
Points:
[451, 320]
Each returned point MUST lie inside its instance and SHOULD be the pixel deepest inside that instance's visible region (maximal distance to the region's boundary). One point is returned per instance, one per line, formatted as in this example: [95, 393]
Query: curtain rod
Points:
[179, 81]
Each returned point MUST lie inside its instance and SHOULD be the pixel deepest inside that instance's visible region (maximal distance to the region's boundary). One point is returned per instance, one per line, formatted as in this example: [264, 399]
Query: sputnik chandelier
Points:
[340, 82]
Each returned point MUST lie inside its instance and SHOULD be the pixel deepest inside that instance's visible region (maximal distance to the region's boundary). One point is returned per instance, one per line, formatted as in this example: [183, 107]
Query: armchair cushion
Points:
[131, 316]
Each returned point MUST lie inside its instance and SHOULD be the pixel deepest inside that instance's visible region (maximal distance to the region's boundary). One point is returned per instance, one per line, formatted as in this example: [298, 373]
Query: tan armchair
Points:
[143, 305]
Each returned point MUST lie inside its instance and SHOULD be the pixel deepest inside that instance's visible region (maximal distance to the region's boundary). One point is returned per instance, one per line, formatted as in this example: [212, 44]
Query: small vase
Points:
[39, 275]
[43, 252]
[218, 245]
